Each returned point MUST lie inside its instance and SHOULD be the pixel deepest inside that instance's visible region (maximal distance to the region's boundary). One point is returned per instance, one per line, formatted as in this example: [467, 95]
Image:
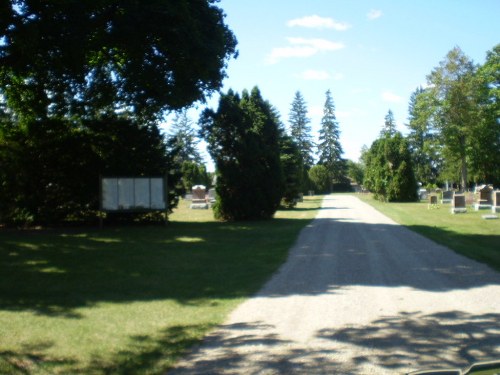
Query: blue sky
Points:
[371, 54]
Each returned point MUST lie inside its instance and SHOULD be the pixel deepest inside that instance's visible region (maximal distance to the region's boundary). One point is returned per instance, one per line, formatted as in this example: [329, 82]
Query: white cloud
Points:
[374, 14]
[302, 47]
[318, 22]
[391, 97]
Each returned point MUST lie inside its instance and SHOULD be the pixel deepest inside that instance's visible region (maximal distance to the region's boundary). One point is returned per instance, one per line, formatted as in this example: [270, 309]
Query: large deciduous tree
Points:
[453, 93]
[85, 58]
[423, 139]
[243, 140]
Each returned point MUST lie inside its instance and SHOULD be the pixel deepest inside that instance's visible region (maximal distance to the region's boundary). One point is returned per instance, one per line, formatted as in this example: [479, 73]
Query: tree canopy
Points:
[88, 58]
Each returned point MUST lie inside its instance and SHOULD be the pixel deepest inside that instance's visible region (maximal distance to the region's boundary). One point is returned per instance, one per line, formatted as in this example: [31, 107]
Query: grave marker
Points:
[485, 200]
[199, 200]
[458, 204]
[433, 200]
[447, 196]
[496, 201]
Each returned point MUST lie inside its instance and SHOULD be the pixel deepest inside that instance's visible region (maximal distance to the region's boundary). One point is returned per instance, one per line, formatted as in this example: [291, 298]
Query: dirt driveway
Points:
[359, 294]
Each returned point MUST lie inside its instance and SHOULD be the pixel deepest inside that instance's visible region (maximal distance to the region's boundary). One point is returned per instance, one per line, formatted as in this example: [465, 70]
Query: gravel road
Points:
[359, 294]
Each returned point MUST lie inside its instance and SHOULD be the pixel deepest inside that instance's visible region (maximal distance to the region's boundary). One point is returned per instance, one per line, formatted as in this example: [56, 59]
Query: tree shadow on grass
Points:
[53, 273]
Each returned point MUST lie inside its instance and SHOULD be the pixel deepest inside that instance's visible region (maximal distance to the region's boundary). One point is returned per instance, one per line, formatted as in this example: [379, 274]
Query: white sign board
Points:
[125, 193]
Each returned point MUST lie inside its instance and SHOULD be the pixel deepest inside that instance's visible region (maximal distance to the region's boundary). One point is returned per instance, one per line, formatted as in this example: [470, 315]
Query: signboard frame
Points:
[134, 194]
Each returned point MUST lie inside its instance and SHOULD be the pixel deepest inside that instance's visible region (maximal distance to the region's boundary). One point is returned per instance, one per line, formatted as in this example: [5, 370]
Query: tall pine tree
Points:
[184, 136]
[389, 128]
[329, 147]
[300, 130]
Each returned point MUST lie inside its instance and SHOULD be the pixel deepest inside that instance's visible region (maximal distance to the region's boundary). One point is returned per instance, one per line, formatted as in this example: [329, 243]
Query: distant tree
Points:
[300, 131]
[90, 58]
[329, 147]
[243, 140]
[389, 171]
[355, 171]
[321, 178]
[389, 128]
[185, 136]
[291, 164]
[194, 174]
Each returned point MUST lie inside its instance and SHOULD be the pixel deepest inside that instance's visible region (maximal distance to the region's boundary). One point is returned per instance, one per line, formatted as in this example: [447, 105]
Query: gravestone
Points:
[433, 200]
[496, 201]
[447, 196]
[423, 194]
[458, 204]
[199, 200]
[484, 195]
[212, 197]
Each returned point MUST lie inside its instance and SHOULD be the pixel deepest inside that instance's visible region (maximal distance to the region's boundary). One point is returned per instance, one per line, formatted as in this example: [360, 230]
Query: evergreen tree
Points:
[329, 148]
[389, 128]
[243, 140]
[185, 136]
[300, 130]
[291, 164]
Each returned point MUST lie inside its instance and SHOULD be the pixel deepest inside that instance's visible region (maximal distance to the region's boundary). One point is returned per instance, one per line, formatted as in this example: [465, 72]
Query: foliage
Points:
[92, 58]
[300, 131]
[355, 171]
[291, 164]
[389, 170]
[321, 178]
[329, 147]
[50, 169]
[422, 139]
[185, 136]
[194, 174]
[243, 140]
[485, 155]
[389, 128]
[452, 94]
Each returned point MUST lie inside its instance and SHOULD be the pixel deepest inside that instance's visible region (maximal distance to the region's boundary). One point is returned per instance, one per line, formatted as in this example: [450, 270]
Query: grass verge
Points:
[131, 300]
[467, 233]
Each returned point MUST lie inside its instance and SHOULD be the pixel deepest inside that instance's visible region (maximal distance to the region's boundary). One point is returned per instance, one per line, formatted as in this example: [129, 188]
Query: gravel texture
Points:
[359, 294]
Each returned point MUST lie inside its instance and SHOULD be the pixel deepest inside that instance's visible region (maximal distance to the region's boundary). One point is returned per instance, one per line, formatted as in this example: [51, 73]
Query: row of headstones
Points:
[488, 199]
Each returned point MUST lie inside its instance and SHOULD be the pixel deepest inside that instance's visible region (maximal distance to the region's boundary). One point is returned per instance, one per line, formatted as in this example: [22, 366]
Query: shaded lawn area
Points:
[466, 233]
[131, 299]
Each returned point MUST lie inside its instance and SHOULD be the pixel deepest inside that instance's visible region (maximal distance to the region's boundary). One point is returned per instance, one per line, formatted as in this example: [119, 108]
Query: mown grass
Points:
[126, 300]
[466, 233]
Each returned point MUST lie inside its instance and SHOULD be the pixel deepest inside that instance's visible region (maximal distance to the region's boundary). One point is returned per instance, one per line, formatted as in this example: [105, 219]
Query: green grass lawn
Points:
[130, 299]
[466, 233]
